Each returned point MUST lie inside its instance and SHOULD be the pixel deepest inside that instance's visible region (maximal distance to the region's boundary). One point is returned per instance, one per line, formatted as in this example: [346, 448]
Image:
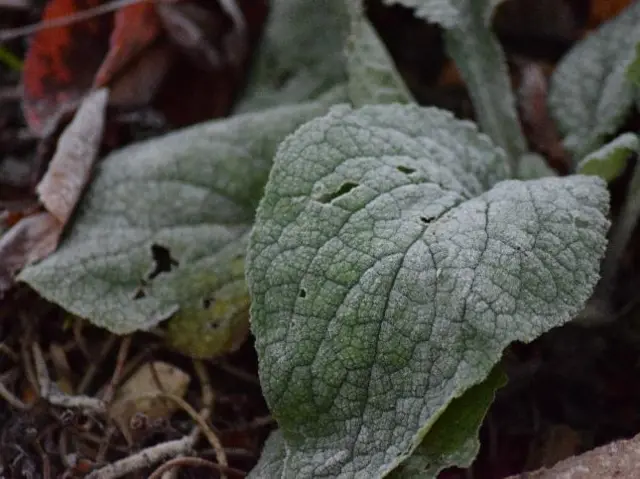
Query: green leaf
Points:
[610, 161]
[453, 439]
[590, 94]
[633, 71]
[373, 78]
[449, 14]
[292, 65]
[164, 226]
[390, 265]
[482, 64]
[271, 463]
[532, 166]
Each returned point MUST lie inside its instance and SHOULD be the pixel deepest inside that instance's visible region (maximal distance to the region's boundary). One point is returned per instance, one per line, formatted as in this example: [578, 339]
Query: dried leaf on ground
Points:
[139, 394]
[61, 62]
[133, 51]
[72, 163]
[31, 239]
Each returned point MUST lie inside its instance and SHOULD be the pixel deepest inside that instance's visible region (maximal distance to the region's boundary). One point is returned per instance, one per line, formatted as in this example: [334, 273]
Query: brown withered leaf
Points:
[29, 240]
[138, 395]
[34, 237]
[71, 166]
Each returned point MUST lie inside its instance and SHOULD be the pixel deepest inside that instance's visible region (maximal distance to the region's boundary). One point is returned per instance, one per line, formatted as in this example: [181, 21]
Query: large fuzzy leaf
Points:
[590, 93]
[481, 62]
[163, 230]
[390, 265]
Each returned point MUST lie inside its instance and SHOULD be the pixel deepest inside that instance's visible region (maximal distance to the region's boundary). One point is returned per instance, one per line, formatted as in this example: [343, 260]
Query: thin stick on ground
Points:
[177, 462]
[123, 352]
[205, 410]
[93, 366]
[57, 398]
[145, 458]
[215, 442]
[12, 399]
[13, 33]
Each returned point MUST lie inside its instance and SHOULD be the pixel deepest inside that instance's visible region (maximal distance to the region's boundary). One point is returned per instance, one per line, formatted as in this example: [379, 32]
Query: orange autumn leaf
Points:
[135, 28]
[140, 60]
[61, 62]
[602, 10]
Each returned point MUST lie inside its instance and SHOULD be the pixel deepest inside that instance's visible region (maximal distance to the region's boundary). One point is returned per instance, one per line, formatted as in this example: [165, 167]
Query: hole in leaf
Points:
[405, 169]
[207, 303]
[163, 262]
[139, 293]
[345, 188]
[426, 220]
[214, 325]
[302, 293]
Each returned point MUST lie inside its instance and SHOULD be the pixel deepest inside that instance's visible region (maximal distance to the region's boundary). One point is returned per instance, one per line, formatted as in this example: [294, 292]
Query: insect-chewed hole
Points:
[345, 188]
[163, 262]
[405, 169]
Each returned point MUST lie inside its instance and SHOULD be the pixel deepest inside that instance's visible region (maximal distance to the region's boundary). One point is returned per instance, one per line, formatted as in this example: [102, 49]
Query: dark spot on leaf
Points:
[426, 220]
[302, 293]
[345, 188]
[405, 169]
[206, 303]
[163, 262]
[139, 293]
[214, 325]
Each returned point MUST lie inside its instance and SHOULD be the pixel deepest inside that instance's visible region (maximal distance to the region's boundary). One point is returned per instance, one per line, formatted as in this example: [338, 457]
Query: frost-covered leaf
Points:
[633, 71]
[390, 265]
[532, 166]
[163, 227]
[482, 64]
[610, 161]
[373, 78]
[301, 54]
[453, 439]
[590, 93]
[271, 463]
[448, 13]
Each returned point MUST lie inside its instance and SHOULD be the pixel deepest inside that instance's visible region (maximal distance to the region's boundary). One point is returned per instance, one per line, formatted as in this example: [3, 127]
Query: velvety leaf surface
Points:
[292, 65]
[389, 267]
[373, 78]
[481, 62]
[610, 160]
[164, 225]
[590, 93]
[453, 439]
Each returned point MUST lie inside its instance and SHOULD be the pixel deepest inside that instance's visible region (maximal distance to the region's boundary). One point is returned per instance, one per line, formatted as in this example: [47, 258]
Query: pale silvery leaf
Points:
[164, 226]
[301, 53]
[481, 62]
[633, 70]
[610, 160]
[373, 78]
[448, 13]
[453, 439]
[590, 94]
[271, 463]
[390, 265]
[532, 166]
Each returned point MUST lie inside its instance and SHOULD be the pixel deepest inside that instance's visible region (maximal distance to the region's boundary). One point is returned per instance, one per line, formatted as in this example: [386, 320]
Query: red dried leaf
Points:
[146, 56]
[136, 27]
[60, 64]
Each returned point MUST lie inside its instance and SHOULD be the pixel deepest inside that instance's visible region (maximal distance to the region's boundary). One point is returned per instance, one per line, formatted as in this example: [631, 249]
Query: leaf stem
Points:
[482, 64]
